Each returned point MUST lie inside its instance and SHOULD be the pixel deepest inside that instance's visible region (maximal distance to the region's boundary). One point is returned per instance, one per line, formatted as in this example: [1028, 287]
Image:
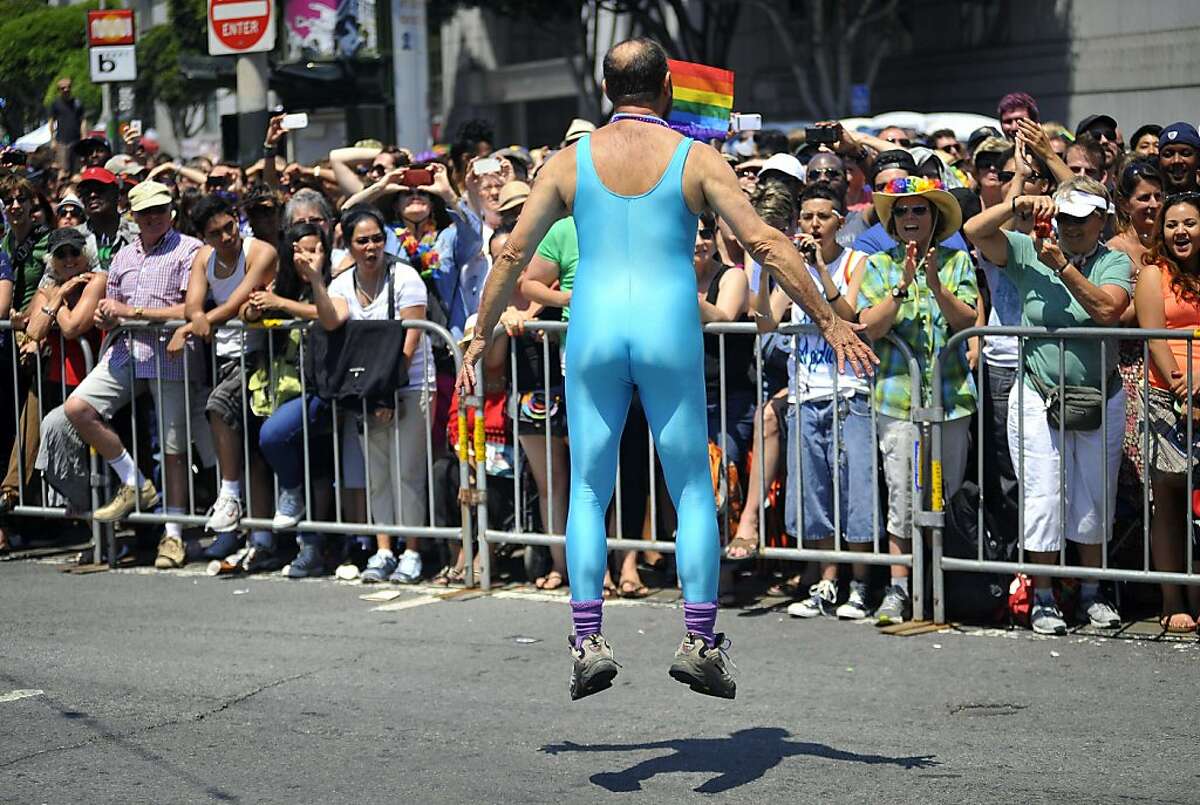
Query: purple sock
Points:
[701, 619]
[586, 616]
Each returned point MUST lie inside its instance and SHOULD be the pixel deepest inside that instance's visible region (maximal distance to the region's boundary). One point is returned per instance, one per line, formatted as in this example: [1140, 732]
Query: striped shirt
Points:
[152, 280]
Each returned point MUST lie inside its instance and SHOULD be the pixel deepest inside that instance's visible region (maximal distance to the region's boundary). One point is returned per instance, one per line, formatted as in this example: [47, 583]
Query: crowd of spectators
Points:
[915, 235]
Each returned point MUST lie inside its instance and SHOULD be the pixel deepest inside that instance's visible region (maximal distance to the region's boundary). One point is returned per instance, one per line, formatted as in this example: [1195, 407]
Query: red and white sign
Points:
[110, 27]
[240, 26]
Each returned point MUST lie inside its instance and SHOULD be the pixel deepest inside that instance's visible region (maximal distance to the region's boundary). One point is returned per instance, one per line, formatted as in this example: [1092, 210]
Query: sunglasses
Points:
[1006, 176]
[67, 252]
[1071, 220]
[817, 174]
[707, 234]
[1104, 134]
[1035, 177]
[987, 167]
[916, 210]
[903, 142]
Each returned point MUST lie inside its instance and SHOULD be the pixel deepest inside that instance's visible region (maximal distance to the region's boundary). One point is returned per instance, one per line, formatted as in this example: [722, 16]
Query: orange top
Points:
[1181, 314]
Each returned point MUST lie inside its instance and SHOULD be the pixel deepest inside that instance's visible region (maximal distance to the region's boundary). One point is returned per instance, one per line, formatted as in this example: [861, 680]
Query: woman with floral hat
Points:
[922, 293]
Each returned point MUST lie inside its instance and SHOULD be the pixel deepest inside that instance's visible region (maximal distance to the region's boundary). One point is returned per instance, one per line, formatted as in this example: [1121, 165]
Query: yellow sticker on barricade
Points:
[462, 436]
[936, 491]
[1196, 333]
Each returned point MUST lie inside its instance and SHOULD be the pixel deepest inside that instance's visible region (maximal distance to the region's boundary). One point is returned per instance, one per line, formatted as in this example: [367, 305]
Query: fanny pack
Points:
[1074, 407]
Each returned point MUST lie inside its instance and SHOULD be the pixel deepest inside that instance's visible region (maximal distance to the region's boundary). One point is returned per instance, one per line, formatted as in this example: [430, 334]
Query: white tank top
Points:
[228, 341]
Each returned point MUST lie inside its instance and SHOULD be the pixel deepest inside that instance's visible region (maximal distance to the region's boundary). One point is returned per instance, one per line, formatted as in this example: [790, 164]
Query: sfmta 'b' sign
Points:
[240, 26]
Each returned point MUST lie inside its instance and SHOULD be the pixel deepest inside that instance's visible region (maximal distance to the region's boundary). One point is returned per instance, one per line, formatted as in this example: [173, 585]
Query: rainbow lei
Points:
[913, 184]
[421, 253]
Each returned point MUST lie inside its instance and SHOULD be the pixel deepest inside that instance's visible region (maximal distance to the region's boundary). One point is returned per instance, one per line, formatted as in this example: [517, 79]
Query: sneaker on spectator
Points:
[290, 508]
[224, 515]
[702, 667]
[894, 608]
[261, 559]
[1047, 619]
[594, 666]
[408, 570]
[126, 500]
[226, 544]
[379, 567]
[171, 553]
[821, 598]
[308, 562]
[1099, 613]
[855, 608]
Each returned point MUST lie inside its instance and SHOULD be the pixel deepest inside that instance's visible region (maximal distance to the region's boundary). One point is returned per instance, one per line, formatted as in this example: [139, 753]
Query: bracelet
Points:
[834, 298]
[316, 171]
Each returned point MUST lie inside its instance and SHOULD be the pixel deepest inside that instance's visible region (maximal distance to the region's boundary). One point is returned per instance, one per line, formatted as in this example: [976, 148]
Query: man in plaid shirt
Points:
[146, 282]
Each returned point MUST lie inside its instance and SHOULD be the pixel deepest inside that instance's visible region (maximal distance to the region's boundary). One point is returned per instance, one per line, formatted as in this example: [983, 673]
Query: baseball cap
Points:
[97, 175]
[90, 144]
[979, 135]
[67, 236]
[1091, 121]
[1080, 205]
[69, 200]
[784, 163]
[513, 194]
[123, 164]
[1179, 134]
[577, 129]
[149, 194]
[896, 158]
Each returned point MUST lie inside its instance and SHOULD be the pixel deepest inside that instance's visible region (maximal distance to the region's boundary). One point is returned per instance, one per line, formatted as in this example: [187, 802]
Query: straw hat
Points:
[513, 194]
[949, 214]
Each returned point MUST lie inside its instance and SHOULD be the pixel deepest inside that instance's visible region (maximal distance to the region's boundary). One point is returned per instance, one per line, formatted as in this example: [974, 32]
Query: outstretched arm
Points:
[545, 205]
[775, 252]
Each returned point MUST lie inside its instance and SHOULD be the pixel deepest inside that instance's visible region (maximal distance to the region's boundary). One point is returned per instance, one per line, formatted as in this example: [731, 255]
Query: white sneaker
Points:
[1099, 613]
[1047, 619]
[408, 570]
[224, 515]
[855, 608]
[290, 509]
[821, 598]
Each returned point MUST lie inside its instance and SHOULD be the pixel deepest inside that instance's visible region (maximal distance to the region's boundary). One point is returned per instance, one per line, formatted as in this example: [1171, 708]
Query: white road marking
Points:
[17, 695]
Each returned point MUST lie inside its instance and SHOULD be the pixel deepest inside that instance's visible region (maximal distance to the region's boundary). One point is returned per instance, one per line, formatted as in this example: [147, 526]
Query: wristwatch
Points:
[49, 311]
[899, 293]
[137, 312]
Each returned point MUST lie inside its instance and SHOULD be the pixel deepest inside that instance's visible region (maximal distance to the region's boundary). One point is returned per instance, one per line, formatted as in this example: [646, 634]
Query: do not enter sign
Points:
[240, 26]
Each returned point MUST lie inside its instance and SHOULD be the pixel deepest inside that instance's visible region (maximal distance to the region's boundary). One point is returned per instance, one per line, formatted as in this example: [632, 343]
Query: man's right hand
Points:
[464, 385]
[848, 347]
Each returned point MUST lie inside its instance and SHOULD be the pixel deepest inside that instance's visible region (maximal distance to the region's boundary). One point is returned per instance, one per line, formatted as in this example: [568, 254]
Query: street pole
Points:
[106, 110]
[410, 74]
[251, 106]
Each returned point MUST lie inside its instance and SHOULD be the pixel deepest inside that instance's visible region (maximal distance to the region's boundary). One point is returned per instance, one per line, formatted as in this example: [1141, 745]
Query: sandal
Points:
[790, 588]
[551, 581]
[1178, 623]
[633, 589]
[610, 590]
[448, 576]
[746, 544]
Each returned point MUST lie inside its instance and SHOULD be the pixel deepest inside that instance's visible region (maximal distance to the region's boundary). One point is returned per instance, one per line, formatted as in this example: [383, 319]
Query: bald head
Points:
[635, 72]
[828, 169]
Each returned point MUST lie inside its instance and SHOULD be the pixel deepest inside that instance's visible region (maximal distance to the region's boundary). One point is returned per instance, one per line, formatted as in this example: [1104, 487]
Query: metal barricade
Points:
[363, 426]
[1108, 339]
[38, 381]
[519, 535]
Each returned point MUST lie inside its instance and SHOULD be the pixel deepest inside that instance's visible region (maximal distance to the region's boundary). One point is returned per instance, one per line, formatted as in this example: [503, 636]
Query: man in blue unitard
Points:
[635, 188]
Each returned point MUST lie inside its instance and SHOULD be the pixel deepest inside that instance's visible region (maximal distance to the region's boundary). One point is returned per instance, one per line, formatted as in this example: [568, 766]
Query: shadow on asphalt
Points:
[745, 756]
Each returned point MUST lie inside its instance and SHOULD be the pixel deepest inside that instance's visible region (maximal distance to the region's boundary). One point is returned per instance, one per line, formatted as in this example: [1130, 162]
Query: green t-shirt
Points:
[27, 272]
[561, 246]
[1046, 302]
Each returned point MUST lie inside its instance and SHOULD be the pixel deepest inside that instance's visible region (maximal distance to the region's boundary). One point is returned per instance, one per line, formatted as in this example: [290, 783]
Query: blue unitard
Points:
[635, 322]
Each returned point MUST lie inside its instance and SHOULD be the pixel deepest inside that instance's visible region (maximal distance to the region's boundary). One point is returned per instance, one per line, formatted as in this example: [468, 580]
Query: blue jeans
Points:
[281, 437]
[810, 464]
[739, 424]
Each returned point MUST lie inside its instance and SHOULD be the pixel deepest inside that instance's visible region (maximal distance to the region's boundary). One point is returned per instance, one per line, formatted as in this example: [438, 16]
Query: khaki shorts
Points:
[109, 391]
[897, 444]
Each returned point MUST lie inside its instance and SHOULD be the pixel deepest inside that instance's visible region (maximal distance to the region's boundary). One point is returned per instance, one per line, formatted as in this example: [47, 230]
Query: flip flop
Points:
[551, 581]
[634, 589]
[1177, 623]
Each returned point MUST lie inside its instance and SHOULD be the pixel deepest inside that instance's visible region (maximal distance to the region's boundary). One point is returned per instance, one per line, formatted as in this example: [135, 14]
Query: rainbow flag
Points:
[702, 100]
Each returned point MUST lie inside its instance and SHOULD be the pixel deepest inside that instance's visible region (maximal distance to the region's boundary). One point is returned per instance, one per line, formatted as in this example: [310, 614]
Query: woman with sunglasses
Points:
[1168, 297]
[1068, 279]
[1138, 198]
[66, 301]
[922, 293]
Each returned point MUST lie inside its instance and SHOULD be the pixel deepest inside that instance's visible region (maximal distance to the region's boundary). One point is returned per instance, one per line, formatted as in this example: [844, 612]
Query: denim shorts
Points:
[810, 463]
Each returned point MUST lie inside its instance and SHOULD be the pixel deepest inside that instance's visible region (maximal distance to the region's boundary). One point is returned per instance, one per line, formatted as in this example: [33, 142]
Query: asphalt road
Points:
[175, 688]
